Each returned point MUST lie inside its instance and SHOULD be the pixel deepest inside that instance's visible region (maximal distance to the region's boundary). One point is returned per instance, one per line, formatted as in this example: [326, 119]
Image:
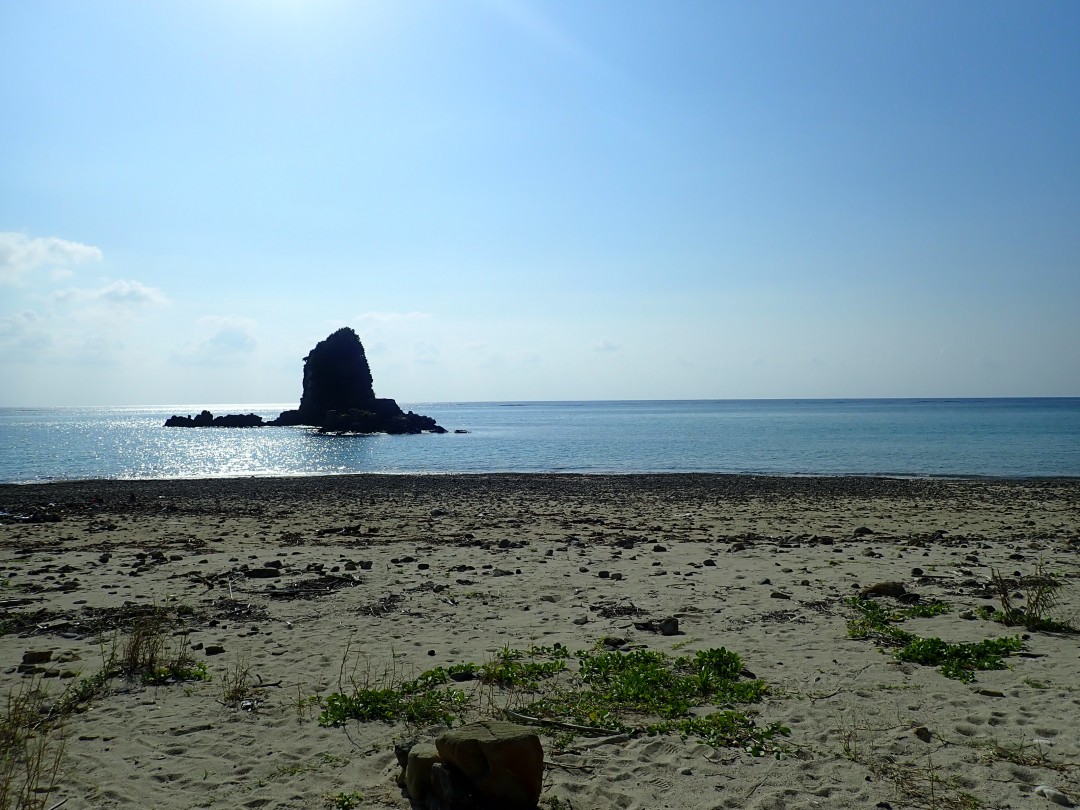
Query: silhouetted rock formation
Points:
[338, 397]
[336, 378]
[207, 419]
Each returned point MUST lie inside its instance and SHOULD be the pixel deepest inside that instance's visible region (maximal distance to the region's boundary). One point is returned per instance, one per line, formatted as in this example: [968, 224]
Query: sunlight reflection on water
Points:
[860, 437]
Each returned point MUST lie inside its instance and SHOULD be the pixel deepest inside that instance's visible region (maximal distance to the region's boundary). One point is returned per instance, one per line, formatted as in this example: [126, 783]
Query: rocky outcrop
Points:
[336, 378]
[489, 764]
[207, 419]
[338, 397]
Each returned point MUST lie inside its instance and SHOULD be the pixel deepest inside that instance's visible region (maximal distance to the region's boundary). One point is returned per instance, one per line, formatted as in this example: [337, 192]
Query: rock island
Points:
[338, 397]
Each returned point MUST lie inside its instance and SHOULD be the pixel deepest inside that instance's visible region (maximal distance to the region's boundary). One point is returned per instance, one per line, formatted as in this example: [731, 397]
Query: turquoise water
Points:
[908, 437]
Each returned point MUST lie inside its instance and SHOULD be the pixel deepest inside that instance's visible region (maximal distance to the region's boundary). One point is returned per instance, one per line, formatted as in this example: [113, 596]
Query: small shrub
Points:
[31, 748]
[959, 661]
[956, 661]
[236, 682]
[1041, 595]
[345, 801]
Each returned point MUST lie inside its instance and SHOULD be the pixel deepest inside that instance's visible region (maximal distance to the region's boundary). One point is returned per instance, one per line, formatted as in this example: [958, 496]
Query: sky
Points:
[523, 200]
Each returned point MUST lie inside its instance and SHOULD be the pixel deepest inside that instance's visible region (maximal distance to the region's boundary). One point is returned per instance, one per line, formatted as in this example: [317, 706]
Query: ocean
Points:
[893, 437]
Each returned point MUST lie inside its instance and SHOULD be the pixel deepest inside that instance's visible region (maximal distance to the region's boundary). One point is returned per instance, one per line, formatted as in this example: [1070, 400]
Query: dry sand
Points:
[463, 565]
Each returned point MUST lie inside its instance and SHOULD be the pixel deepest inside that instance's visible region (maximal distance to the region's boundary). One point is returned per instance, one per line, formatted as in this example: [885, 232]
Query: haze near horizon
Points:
[514, 200]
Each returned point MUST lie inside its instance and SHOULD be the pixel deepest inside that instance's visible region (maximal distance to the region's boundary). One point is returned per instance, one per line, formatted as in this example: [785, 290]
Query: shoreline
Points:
[308, 582]
[570, 474]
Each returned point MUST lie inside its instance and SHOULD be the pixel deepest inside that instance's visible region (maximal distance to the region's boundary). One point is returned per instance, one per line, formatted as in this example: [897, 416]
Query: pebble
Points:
[668, 626]
[1054, 795]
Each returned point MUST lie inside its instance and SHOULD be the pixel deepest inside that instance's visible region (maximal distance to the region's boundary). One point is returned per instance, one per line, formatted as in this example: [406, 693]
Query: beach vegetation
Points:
[1030, 602]
[588, 692]
[237, 684]
[960, 661]
[31, 748]
[956, 661]
[146, 655]
[306, 704]
[345, 801]
[916, 784]
[1029, 754]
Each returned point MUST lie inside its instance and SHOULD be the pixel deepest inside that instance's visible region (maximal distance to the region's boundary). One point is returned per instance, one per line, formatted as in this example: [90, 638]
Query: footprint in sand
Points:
[660, 782]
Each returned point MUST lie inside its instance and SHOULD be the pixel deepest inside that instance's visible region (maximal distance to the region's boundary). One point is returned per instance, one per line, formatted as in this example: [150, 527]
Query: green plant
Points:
[957, 661]
[608, 691]
[929, 610]
[236, 682]
[915, 784]
[148, 654]
[1040, 594]
[1027, 754]
[345, 801]
[306, 705]
[145, 655]
[31, 748]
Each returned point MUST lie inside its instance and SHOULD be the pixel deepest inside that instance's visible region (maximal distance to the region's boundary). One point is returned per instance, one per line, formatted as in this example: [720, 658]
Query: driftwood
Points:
[540, 721]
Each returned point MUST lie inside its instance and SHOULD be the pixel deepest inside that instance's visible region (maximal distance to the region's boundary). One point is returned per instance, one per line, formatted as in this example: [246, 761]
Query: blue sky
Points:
[511, 199]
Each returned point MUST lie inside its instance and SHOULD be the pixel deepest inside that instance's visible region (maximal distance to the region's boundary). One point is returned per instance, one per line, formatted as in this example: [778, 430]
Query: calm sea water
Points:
[937, 437]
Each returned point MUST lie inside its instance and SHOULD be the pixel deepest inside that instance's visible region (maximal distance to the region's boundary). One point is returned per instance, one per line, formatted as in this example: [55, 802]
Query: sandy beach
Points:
[301, 587]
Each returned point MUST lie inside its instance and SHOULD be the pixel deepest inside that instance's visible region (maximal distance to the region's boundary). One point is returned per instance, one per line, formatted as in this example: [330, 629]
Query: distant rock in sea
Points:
[207, 419]
[338, 397]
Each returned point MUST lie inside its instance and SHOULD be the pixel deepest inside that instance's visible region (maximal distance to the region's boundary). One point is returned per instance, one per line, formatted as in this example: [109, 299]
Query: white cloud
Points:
[19, 322]
[221, 340]
[426, 353]
[608, 346]
[117, 294]
[229, 333]
[20, 255]
[23, 332]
